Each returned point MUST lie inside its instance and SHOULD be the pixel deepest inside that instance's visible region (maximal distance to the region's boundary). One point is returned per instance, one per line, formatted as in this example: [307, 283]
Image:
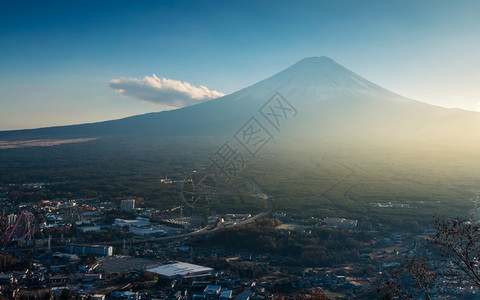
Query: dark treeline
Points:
[320, 246]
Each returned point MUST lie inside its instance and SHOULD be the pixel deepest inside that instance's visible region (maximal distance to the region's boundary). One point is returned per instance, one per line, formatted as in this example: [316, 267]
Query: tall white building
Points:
[11, 218]
[127, 205]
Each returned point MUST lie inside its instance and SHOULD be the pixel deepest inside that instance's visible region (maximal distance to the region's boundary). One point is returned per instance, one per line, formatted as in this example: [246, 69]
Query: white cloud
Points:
[168, 92]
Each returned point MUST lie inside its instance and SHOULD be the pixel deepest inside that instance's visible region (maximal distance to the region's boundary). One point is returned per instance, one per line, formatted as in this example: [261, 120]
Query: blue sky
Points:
[58, 58]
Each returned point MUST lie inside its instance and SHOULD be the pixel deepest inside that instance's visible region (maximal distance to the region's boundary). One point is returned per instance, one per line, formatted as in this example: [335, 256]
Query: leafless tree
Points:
[415, 276]
[459, 243]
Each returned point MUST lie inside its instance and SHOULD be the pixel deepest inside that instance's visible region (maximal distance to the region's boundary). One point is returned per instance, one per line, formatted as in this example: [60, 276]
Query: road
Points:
[206, 230]
[202, 231]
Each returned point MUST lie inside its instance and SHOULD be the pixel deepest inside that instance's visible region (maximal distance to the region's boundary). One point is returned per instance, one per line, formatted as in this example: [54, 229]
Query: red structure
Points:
[22, 229]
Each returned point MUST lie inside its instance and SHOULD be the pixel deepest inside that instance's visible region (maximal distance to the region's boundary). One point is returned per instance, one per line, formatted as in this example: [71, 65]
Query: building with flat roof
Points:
[96, 250]
[225, 295]
[147, 231]
[138, 222]
[212, 292]
[181, 270]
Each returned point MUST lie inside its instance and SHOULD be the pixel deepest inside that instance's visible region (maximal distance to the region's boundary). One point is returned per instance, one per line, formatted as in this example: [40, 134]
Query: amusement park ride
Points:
[198, 191]
[21, 229]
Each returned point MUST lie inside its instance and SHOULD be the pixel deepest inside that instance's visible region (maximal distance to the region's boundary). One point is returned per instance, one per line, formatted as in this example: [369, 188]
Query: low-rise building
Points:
[96, 250]
[147, 231]
[212, 291]
[181, 270]
[138, 222]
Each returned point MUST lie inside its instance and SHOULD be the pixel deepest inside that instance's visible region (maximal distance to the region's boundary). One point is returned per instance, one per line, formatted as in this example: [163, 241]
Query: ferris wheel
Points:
[198, 190]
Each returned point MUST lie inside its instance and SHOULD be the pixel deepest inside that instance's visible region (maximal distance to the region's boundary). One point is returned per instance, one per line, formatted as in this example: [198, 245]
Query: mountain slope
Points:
[331, 101]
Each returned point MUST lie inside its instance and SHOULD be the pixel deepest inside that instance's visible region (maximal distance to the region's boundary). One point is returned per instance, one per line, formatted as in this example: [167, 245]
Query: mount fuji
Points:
[332, 102]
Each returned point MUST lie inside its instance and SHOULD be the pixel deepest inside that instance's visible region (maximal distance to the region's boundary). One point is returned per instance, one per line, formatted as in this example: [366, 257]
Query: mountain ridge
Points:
[331, 99]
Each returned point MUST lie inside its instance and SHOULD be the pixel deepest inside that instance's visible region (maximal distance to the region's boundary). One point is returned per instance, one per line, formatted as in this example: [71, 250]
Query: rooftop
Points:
[180, 269]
